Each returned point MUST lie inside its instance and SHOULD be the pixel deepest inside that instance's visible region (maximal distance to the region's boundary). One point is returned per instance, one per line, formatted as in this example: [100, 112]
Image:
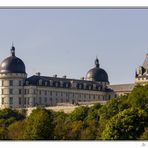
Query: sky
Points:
[67, 41]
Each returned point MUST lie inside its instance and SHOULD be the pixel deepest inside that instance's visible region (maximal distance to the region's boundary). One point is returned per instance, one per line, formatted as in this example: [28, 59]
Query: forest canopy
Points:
[121, 118]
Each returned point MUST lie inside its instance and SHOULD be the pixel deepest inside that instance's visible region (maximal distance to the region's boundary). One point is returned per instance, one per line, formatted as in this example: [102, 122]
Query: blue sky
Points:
[67, 41]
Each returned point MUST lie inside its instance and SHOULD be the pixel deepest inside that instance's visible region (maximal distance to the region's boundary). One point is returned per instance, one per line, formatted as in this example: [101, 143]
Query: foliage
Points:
[93, 112]
[144, 136]
[59, 125]
[80, 113]
[15, 130]
[139, 97]
[126, 125]
[8, 116]
[38, 125]
[111, 108]
[121, 118]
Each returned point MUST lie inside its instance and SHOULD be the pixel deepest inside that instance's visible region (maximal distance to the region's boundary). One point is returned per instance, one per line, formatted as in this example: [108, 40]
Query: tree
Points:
[16, 130]
[73, 130]
[39, 126]
[90, 130]
[59, 125]
[8, 116]
[126, 125]
[139, 97]
[144, 136]
[80, 113]
[111, 108]
[93, 112]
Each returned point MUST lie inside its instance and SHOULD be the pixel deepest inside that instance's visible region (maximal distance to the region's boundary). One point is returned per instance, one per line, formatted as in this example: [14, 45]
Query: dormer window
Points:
[40, 82]
[66, 85]
[56, 84]
[61, 83]
[80, 86]
[51, 82]
[46, 83]
[27, 82]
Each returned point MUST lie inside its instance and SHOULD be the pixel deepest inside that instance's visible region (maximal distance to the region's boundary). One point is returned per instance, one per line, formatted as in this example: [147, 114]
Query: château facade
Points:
[19, 91]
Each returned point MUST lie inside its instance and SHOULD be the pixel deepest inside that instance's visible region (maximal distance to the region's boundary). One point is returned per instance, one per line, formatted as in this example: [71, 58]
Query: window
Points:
[20, 101]
[61, 94]
[24, 100]
[40, 100]
[10, 82]
[50, 99]
[2, 82]
[40, 92]
[89, 96]
[94, 96]
[2, 91]
[33, 101]
[2, 100]
[45, 100]
[56, 93]
[20, 91]
[11, 100]
[50, 93]
[109, 96]
[45, 92]
[10, 91]
[20, 83]
[28, 100]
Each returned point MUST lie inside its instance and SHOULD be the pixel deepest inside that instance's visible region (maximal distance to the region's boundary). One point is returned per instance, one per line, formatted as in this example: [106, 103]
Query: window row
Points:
[11, 83]
[11, 91]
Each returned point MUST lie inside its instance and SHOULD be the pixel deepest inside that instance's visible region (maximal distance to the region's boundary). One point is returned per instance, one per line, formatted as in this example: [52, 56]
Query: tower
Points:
[12, 76]
[141, 76]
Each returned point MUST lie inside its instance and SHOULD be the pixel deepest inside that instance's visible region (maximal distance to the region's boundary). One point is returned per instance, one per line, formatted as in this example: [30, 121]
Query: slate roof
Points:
[145, 64]
[122, 87]
[67, 83]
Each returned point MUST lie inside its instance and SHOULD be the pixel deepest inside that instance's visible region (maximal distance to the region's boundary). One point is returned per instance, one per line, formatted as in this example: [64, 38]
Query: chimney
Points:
[64, 76]
[38, 74]
[55, 76]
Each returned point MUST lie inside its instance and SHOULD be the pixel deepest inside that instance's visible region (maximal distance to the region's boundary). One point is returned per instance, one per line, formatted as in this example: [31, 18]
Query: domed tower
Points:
[12, 76]
[97, 74]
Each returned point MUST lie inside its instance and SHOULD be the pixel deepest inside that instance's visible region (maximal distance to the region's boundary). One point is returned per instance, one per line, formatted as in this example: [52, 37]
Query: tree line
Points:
[121, 118]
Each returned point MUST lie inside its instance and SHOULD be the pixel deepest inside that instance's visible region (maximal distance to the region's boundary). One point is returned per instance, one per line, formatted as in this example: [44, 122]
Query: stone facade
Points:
[141, 75]
[18, 91]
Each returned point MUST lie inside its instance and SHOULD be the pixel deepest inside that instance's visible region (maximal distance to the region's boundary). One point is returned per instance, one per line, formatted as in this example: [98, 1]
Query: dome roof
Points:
[97, 73]
[12, 64]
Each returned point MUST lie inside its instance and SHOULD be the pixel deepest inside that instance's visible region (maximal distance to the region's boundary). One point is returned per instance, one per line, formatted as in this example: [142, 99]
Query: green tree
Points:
[16, 130]
[139, 97]
[90, 130]
[80, 113]
[111, 108]
[59, 125]
[38, 125]
[93, 112]
[73, 130]
[144, 136]
[8, 116]
[3, 133]
[126, 125]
